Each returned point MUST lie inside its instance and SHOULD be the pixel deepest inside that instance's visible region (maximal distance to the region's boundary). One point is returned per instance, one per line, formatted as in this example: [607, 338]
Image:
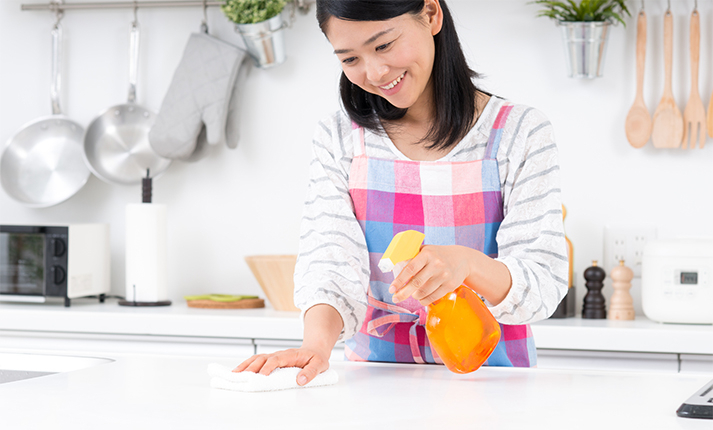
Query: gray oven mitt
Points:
[232, 124]
[198, 96]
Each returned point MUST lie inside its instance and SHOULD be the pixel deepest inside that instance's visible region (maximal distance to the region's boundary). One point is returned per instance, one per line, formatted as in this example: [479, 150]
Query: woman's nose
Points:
[375, 71]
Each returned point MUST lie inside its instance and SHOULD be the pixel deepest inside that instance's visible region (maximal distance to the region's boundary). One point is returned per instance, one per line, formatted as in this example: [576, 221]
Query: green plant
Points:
[586, 10]
[252, 11]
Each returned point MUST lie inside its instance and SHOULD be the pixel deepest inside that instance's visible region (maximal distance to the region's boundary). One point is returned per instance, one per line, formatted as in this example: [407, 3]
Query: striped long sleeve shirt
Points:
[333, 262]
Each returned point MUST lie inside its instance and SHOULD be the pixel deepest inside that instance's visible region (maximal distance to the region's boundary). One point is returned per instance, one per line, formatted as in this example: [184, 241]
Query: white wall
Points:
[248, 200]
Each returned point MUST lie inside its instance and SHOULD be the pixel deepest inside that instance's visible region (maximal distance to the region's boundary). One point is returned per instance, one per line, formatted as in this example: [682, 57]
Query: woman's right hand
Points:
[311, 361]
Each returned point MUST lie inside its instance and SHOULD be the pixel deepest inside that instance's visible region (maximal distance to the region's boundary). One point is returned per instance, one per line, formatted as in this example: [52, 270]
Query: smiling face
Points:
[392, 58]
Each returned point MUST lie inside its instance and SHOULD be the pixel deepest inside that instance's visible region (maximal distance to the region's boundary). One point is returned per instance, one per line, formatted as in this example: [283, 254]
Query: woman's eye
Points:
[384, 46]
[349, 60]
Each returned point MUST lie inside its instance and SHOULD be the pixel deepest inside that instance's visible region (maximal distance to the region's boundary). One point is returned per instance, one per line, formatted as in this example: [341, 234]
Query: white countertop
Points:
[159, 392]
[89, 316]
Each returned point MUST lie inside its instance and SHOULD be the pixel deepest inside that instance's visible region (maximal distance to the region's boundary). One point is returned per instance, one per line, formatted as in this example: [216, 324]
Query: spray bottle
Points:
[459, 326]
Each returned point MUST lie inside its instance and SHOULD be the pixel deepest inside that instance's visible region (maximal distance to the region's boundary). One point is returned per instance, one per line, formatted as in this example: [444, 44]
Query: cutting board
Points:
[238, 304]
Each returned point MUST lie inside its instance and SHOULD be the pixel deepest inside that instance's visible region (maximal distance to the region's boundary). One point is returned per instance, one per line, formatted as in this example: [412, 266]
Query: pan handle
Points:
[56, 84]
[133, 60]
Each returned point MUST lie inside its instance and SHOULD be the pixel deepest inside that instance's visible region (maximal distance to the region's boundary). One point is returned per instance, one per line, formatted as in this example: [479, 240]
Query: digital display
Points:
[689, 278]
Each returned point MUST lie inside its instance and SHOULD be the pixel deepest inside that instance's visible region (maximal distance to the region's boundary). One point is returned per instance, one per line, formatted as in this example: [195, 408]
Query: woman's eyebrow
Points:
[368, 41]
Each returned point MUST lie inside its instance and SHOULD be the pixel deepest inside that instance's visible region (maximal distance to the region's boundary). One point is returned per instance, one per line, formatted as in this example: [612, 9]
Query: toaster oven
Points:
[64, 261]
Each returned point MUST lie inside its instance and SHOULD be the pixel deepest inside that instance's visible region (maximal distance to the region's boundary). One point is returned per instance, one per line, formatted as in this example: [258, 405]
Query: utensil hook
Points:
[204, 23]
[136, 12]
[668, 9]
[133, 55]
[58, 11]
[56, 67]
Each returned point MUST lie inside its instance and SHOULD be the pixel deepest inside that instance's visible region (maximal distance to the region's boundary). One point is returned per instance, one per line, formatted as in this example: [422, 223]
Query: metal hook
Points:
[59, 12]
[642, 4]
[136, 13]
[669, 6]
[204, 23]
[695, 5]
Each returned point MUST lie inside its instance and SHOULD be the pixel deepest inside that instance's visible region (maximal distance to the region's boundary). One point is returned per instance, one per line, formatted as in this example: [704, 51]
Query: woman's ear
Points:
[434, 15]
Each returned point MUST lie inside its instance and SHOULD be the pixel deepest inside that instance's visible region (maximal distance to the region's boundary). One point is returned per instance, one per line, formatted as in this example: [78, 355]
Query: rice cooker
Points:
[676, 284]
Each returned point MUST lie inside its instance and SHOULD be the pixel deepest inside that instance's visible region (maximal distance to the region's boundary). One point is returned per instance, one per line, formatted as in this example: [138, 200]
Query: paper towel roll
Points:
[146, 269]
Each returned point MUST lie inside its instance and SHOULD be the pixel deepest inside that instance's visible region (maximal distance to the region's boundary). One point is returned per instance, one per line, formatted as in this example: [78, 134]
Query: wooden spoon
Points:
[710, 117]
[638, 122]
[668, 123]
[694, 115]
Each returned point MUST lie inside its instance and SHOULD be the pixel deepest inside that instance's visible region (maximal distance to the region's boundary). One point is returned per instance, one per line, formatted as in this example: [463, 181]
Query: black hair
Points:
[453, 88]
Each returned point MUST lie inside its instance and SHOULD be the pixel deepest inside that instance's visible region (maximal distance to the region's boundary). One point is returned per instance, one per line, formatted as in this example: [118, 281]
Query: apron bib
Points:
[452, 203]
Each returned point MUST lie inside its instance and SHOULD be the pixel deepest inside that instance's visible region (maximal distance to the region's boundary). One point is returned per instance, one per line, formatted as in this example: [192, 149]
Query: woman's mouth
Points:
[393, 83]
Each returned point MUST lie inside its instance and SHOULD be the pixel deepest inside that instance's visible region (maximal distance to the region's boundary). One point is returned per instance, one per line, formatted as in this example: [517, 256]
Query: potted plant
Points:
[260, 24]
[585, 29]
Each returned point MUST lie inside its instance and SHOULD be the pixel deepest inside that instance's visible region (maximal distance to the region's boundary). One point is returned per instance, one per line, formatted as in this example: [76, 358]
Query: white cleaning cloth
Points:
[280, 379]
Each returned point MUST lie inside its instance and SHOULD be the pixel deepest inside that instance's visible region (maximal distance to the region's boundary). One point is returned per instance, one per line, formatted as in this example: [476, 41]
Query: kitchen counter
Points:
[87, 316]
[159, 392]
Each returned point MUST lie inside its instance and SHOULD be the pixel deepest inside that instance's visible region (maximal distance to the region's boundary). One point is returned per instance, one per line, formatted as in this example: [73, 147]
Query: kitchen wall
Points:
[248, 200]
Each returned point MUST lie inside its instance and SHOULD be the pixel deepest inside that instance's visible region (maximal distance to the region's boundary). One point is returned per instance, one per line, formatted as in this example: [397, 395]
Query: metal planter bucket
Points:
[265, 41]
[584, 45]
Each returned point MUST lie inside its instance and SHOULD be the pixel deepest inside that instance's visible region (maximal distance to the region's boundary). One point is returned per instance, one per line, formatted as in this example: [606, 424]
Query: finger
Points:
[423, 283]
[287, 358]
[311, 370]
[242, 366]
[437, 294]
[418, 281]
[257, 364]
[412, 268]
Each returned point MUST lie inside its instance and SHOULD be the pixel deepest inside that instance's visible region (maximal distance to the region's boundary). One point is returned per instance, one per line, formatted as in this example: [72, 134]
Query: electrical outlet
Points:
[626, 243]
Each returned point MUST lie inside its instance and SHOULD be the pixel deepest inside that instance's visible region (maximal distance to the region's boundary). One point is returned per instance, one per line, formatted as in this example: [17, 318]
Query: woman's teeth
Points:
[393, 83]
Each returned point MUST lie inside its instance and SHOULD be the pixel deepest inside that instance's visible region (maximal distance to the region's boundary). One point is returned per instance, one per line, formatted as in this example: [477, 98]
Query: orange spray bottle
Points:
[459, 326]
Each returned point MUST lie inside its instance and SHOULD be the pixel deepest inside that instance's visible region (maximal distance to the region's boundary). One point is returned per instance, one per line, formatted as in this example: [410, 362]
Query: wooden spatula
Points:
[668, 123]
[694, 116]
[638, 120]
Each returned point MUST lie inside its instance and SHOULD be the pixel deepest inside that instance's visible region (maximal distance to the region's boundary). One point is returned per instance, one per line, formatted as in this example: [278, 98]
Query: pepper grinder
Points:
[594, 306]
[622, 305]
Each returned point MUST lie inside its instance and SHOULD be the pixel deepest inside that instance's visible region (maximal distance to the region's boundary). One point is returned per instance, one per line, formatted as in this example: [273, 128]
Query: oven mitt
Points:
[198, 96]
[232, 124]
[280, 379]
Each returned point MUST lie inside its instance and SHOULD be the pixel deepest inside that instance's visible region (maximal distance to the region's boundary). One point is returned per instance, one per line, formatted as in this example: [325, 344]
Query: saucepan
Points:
[116, 145]
[43, 165]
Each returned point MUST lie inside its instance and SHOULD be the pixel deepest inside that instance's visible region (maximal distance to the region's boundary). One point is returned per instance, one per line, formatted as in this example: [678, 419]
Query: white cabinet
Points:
[606, 360]
[129, 344]
[265, 346]
[695, 363]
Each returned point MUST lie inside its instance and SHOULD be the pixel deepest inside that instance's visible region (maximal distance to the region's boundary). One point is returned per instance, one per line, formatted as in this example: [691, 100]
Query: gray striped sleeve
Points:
[531, 236]
[333, 261]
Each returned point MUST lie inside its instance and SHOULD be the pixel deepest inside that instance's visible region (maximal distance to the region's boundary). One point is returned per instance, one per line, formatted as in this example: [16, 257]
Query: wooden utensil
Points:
[710, 117]
[667, 130]
[238, 304]
[638, 121]
[694, 116]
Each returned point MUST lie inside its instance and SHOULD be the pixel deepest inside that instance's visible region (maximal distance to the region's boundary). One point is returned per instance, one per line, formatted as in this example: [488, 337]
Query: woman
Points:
[420, 147]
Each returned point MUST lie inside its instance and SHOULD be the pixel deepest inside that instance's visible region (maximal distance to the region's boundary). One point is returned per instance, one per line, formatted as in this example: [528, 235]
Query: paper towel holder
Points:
[156, 216]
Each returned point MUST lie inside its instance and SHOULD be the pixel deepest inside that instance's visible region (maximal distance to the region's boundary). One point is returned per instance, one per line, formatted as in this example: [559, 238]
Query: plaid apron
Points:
[452, 203]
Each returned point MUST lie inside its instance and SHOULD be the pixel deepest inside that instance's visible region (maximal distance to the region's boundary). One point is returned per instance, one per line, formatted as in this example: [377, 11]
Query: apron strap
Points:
[358, 136]
[496, 132]
[398, 314]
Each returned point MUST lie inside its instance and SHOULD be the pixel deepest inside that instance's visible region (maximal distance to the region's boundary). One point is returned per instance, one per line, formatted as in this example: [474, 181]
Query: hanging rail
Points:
[302, 5]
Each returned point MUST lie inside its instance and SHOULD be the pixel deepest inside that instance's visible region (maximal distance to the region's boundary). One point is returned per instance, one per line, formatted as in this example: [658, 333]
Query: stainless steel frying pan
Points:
[43, 164]
[116, 145]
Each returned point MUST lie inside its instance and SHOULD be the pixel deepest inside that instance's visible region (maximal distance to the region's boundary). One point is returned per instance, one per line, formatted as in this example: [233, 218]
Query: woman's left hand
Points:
[434, 272]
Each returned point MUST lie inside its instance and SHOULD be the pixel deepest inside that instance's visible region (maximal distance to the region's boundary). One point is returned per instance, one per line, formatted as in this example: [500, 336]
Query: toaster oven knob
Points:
[58, 274]
[59, 247]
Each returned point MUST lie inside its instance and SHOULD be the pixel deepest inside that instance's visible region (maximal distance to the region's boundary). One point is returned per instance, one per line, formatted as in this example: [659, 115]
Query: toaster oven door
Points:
[22, 261]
